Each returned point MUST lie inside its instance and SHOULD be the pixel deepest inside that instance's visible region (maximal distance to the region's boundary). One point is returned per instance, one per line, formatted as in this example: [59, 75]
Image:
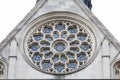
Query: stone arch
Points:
[116, 69]
[54, 16]
[3, 70]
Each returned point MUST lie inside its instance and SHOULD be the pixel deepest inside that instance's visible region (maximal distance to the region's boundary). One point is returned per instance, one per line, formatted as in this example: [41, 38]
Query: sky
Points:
[13, 11]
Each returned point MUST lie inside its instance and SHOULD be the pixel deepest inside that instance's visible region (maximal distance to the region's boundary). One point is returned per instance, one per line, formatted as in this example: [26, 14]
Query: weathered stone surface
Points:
[101, 67]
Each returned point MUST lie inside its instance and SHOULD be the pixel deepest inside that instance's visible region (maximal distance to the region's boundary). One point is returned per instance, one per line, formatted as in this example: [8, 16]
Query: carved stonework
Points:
[116, 70]
[1, 69]
[42, 47]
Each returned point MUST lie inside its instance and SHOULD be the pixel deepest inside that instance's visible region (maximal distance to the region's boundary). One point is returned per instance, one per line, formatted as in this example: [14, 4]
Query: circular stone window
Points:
[59, 46]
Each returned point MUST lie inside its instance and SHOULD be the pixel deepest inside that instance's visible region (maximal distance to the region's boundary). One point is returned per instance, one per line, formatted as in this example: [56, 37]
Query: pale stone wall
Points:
[100, 68]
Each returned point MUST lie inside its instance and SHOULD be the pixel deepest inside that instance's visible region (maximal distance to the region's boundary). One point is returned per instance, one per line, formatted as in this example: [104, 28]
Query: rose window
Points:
[59, 47]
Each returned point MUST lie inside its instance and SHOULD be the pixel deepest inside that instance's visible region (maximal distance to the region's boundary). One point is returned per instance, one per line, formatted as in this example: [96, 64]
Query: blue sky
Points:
[13, 11]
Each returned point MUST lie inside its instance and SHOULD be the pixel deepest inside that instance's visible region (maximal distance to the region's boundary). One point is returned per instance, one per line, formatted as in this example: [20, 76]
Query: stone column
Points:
[12, 60]
[106, 60]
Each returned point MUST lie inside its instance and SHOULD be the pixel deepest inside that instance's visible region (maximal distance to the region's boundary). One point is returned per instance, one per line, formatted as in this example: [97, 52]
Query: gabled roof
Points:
[83, 7]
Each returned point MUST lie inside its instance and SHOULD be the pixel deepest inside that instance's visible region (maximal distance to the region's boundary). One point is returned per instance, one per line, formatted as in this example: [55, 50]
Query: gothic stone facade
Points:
[60, 39]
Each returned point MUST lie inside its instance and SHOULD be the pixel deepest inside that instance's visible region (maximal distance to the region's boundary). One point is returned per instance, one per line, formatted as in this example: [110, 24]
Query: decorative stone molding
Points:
[115, 69]
[3, 70]
[58, 16]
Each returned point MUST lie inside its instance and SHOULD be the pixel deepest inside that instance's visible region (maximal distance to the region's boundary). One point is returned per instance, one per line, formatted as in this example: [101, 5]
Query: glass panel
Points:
[56, 35]
[64, 35]
[55, 58]
[72, 65]
[59, 68]
[47, 30]
[46, 65]
[85, 47]
[73, 29]
[49, 38]
[37, 57]
[71, 37]
[38, 37]
[34, 47]
[82, 57]
[70, 55]
[63, 58]
[60, 27]
[82, 37]
[48, 55]
[60, 47]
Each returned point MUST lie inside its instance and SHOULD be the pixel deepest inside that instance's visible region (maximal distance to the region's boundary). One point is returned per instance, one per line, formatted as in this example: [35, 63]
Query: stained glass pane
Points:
[38, 37]
[59, 68]
[46, 65]
[85, 47]
[70, 38]
[82, 57]
[63, 46]
[60, 47]
[37, 58]
[55, 59]
[34, 47]
[70, 55]
[64, 35]
[82, 37]
[73, 29]
[63, 59]
[72, 65]
[49, 55]
[60, 27]
[47, 30]
[49, 38]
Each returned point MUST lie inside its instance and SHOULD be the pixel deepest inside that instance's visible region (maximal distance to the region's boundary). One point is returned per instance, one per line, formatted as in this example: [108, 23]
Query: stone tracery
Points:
[59, 47]
[2, 70]
[116, 69]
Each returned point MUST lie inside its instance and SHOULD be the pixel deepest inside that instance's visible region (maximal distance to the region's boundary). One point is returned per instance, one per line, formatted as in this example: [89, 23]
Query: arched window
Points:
[59, 46]
[116, 70]
[2, 71]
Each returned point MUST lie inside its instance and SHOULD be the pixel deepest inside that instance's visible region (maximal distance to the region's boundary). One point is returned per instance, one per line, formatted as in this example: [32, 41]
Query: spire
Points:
[88, 3]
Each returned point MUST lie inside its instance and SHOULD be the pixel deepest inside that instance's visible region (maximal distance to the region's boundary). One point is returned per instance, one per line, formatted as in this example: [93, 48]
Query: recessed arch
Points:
[83, 33]
[3, 70]
[116, 69]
